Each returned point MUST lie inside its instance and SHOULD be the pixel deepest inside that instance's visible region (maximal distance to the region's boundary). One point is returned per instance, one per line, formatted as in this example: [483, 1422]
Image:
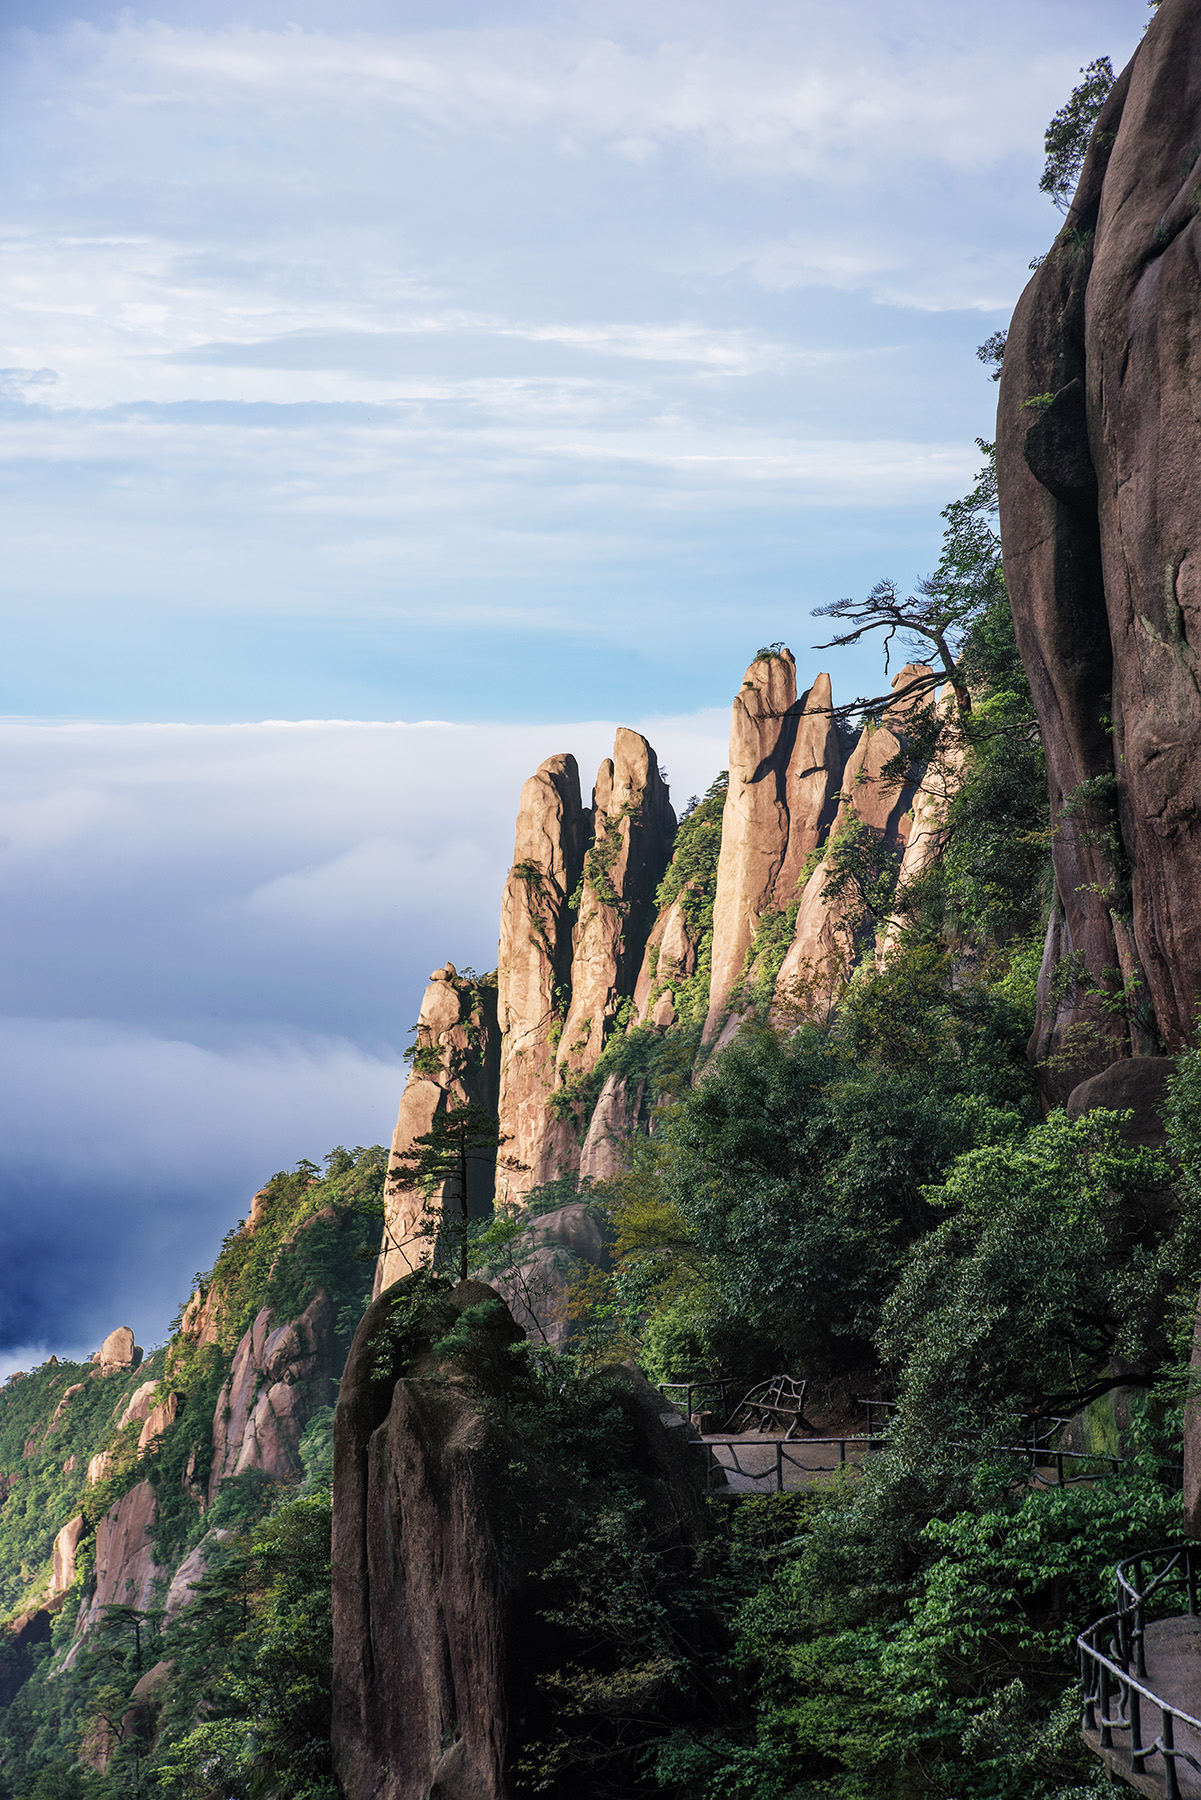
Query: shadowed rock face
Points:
[826, 939]
[534, 967]
[444, 1523]
[456, 1064]
[1138, 1084]
[1100, 484]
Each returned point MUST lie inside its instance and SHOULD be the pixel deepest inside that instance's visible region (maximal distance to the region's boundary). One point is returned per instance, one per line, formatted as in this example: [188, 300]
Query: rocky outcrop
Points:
[202, 1316]
[99, 1466]
[118, 1352]
[533, 971]
[62, 1571]
[281, 1376]
[619, 1114]
[190, 1573]
[455, 1063]
[785, 765]
[423, 1589]
[553, 1254]
[1138, 1085]
[157, 1420]
[126, 1572]
[633, 830]
[927, 831]
[444, 1523]
[1099, 464]
[874, 810]
[670, 958]
[138, 1404]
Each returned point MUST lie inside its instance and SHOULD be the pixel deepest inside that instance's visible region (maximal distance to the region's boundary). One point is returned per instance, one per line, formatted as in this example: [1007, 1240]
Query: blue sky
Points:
[504, 366]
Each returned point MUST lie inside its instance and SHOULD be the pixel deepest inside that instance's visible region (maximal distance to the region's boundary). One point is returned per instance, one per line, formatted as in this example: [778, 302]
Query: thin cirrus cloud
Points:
[654, 330]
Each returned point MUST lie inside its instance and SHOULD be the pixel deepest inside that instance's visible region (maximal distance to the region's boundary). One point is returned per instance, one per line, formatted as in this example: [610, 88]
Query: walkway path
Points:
[1173, 1655]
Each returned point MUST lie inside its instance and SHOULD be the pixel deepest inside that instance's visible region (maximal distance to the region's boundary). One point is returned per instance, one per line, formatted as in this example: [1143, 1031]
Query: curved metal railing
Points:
[1119, 1705]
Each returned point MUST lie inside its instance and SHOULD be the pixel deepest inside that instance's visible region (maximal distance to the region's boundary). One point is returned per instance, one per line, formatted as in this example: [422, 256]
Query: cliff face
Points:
[785, 764]
[533, 970]
[873, 816]
[1099, 462]
[633, 829]
[456, 1062]
[448, 1530]
[613, 919]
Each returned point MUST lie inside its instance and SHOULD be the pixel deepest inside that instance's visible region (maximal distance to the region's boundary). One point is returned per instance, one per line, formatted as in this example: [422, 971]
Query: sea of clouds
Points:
[220, 939]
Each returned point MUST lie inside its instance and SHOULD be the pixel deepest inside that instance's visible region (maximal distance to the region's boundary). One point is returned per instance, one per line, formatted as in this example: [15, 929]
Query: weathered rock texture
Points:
[620, 1111]
[62, 1572]
[828, 931]
[553, 1254]
[118, 1351]
[190, 1573]
[785, 765]
[126, 1572]
[455, 1063]
[670, 958]
[1137, 1084]
[1099, 462]
[443, 1522]
[927, 830]
[281, 1376]
[533, 970]
[633, 829]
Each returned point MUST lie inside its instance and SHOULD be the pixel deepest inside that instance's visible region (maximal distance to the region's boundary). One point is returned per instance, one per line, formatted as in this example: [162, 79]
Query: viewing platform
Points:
[1141, 1676]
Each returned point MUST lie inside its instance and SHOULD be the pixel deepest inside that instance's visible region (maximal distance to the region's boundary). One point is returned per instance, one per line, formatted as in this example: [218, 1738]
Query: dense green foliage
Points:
[253, 1653]
[1067, 136]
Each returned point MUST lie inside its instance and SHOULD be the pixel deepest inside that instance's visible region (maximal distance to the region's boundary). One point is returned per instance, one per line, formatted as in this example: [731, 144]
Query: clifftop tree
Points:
[438, 1163]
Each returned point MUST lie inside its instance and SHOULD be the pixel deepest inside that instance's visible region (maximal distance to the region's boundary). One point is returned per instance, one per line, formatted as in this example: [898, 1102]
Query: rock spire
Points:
[785, 765]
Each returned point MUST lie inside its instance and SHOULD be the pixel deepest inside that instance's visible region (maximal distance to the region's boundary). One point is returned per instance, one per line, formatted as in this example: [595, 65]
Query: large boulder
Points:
[1137, 1084]
[447, 1525]
[1099, 465]
[118, 1352]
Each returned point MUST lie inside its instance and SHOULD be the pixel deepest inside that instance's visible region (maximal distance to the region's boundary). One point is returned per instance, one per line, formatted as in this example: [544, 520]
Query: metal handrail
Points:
[1113, 1666]
[783, 1455]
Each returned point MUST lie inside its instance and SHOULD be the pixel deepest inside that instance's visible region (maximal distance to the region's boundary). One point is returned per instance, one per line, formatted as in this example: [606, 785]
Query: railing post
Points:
[842, 1452]
[1059, 1468]
[1086, 1689]
[1137, 1753]
[1103, 1696]
[779, 1466]
[1167, 1738]
[1190, 1573]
